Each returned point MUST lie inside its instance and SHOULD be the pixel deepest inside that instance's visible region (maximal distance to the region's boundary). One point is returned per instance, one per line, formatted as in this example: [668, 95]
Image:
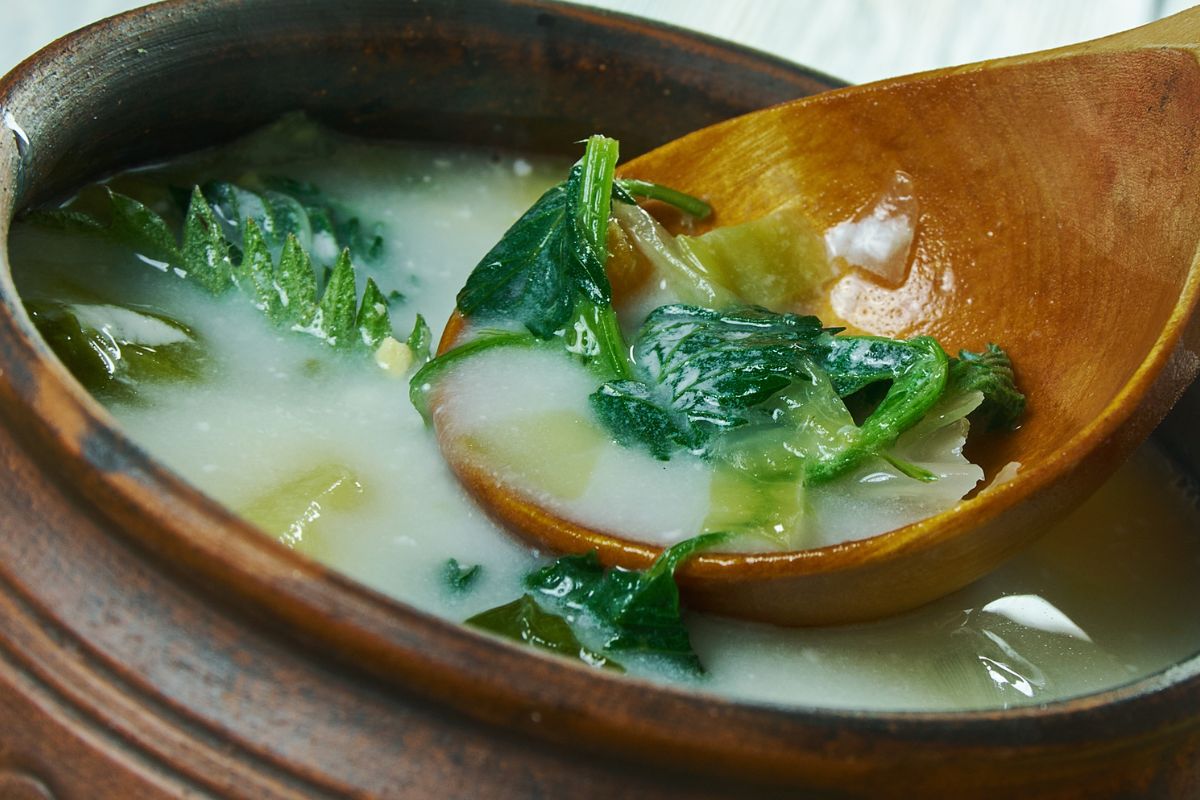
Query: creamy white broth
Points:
[1106, 598]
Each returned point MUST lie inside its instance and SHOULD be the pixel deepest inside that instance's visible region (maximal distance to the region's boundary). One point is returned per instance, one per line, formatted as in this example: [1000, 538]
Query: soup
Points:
[322, 449]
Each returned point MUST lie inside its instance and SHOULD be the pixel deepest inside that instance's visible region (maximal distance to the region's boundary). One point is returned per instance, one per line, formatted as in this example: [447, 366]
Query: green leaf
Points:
[640, 610]
[256, 274]
[290, 218]
[297, 284]
[374, 324]
[524, 621]
[114, 349]
[990, 373]
[917, 369]
[636, 416]
[339, 304]
[420, 341]
[458, 577]
[142, 230]
[703, 373]
[701, 370]
[63, 219]
[205, 251]
[552, 258]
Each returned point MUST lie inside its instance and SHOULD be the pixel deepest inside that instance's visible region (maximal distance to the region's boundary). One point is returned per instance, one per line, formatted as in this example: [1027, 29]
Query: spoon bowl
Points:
[1059, 196]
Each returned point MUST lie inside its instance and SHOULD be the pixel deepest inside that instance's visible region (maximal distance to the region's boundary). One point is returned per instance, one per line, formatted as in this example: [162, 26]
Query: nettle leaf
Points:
[256, 274]
[339, 304]
[700, 370]
[553, 257]
[205, 251]
[917, 370]
[991, 373]
[63, 219]
[114, 349]
[636, 415]
[640, 610]
[459, 577]
[374, 324]
[297, 284]
[420, 341]
[703, 373]
[144, 231]
[289, 216]
[230, 237]
[525, 621]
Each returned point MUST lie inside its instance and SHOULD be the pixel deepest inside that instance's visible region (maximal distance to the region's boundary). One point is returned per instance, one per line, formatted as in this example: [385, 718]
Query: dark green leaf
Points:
[420, 340]
[458, 577]
[917, 369]
[639, 609]
[113, 349]
[65, 220]
[374, 324]
[991, 373]
[256, 274]
[552, 258]
[297, 283]
[524, 621]
[338, 305]
[205, 251]
[702, 370]
[637, 417]
[142, 230]
[290, 218]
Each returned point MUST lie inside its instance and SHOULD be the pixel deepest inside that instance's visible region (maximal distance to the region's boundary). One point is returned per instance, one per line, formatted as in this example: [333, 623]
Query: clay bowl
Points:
[151, 645]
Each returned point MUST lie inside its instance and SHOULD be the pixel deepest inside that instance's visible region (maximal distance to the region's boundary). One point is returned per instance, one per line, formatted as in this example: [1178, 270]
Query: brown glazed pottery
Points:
[151, 645]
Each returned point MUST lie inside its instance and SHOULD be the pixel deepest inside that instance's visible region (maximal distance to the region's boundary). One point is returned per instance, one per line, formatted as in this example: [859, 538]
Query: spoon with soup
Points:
[1050, 201]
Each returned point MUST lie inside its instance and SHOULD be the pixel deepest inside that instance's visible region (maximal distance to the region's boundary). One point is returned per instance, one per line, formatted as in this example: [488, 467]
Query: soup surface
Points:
[323, 450]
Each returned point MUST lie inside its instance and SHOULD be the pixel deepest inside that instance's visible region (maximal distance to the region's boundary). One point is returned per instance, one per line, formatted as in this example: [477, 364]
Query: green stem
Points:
[422, 383]
[656, 191]
[599, 166]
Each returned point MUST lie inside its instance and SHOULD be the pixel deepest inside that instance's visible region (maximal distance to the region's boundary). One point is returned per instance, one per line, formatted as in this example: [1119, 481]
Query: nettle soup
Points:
[264, 320]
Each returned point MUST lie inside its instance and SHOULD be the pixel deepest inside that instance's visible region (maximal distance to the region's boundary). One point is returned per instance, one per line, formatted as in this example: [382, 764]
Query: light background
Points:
[857, 40]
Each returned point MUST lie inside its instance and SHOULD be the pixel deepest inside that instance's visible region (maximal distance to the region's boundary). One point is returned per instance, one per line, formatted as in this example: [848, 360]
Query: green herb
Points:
[552, 259]
[145, 231]
[205, 250]
[420, 341]
[458, 577]
[283, 207]
[297, 284]
[284, 289]
[524, 621]
[990, 373]
[337, 310]
[702, 372]
[111, 349]
[373, 322]
[639, 610]
[627, 189]
[917, 371]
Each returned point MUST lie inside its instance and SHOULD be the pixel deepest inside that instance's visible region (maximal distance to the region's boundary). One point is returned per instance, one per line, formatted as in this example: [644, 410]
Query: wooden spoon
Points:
[1059, 197]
